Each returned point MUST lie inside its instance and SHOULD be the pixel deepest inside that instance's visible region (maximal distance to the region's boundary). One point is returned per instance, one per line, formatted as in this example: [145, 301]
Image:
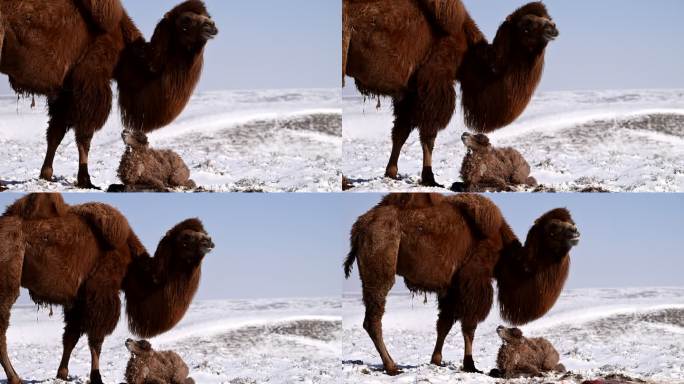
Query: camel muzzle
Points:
[550, 31]
[209, 30]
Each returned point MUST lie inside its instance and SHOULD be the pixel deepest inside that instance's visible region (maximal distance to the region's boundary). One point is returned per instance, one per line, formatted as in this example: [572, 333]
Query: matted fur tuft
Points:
[37, 206]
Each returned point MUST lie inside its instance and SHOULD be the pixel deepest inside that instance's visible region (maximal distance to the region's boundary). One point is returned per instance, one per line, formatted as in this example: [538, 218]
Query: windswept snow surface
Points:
[635, 332]
[236, 342]
[278, 140]
[612, 140]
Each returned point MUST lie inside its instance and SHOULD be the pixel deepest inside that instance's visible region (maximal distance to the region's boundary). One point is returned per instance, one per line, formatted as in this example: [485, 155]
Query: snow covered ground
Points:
[279, 140]
[635, 332]
[613, 140]
[236, 342]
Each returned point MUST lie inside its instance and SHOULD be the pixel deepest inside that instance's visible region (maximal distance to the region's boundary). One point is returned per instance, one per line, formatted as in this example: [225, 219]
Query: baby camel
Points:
[148, 366]
[486, 168]
[142, 167]
[523, 357]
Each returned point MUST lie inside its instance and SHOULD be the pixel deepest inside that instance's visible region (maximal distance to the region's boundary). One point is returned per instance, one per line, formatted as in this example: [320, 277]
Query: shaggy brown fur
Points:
[523, 357]
[414, 51]
[144, 167]
[81, 257]
[486, 168]
[148, 366]
[155, 79]
[454, 246]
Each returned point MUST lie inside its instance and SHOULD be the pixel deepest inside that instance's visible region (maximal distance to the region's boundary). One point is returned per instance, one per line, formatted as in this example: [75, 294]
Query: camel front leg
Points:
[95, 345]
[447, 316]
[468, 331]
[427, 141]
[400, 133]
[83, 143]
[57, 128]
[72, 333]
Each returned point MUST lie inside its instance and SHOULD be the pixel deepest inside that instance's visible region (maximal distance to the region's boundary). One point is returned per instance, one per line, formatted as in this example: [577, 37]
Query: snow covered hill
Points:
[612, 140]
[635, 332]
[281, 140]
[236, 342]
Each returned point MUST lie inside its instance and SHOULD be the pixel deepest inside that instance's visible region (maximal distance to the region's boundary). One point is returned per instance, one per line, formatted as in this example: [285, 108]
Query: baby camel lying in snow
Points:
[523, 357]
[148, 366]
[142, 167]
[486, 168]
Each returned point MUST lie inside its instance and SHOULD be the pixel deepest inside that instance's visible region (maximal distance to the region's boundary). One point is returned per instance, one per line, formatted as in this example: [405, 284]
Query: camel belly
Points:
[43, 40]
[389, 40]
[432, 249]
[60, 254]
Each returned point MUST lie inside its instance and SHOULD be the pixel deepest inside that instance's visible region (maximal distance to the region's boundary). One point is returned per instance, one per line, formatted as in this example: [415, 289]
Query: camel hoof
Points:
[63, 374]
[393, 371]
[428, 178]
[469, 365]
[95, 377]
[46, 174]
[495, 373]
[436, 360]
[87, 185]
[392, 173]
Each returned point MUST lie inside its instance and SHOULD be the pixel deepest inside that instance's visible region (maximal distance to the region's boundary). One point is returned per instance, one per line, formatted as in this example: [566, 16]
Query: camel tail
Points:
[351, 256]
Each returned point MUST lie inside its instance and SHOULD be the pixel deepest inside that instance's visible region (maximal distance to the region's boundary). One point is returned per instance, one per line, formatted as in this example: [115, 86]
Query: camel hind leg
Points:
[476, 296]
[11, 264]
[378, 250]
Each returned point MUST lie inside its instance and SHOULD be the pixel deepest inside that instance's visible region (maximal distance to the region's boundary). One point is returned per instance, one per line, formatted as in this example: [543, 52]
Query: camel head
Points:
[476, 143]
[553, 234]
[187, 243]
[134, 138]
[188, 25]
[138, 348]
[532, 27]
[510, 335]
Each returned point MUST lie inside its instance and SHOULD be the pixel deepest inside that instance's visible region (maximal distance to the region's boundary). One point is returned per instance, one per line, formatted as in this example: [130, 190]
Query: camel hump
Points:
[107, 221]
[481, 213]
[38, 206]
[411, 200]
[106, 14]
[447, 15]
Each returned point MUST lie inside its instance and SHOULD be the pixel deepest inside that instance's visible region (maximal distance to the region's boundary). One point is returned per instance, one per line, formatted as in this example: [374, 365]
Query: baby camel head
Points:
[510, 335]
[134, 138]
[532, 27]
[476, 143]
[139, 348]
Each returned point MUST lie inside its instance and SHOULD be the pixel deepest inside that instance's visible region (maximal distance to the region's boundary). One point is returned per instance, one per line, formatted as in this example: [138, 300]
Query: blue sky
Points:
[293, 245]
[261, 44]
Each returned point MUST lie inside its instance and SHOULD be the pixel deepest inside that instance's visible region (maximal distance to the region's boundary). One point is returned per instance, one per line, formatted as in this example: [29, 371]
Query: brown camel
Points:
[523, 357]
[486, 168]
[142, 167]
[454, 246]
[81, 257]
[70, 50]
[149, 366]
[414, 50]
